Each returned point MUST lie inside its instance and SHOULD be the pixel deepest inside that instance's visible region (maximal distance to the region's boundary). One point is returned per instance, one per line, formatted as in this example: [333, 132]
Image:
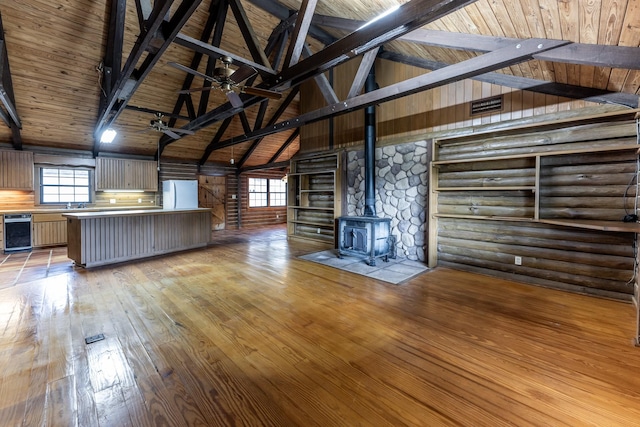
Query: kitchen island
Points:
[100, 238]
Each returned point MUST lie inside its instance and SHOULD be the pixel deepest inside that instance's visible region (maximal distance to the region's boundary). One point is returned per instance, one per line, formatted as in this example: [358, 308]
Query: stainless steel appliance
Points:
[17, 232]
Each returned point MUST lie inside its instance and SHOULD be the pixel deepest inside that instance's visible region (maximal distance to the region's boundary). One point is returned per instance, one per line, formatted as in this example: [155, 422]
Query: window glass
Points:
[267, 192]
[63, 185]
[277, 192]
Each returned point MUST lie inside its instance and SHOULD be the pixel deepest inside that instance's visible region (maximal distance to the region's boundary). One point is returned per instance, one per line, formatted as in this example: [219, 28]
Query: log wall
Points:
[487, 212]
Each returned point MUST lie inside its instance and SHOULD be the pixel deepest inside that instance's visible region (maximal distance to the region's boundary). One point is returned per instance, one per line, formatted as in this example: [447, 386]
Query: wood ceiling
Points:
[60, 83]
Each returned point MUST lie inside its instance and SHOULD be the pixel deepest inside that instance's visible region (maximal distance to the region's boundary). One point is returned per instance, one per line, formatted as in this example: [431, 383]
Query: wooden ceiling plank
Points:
[257, 53]
[460, 71]
[532, 85]
[287, 143]
[406, 18]
[300, 31]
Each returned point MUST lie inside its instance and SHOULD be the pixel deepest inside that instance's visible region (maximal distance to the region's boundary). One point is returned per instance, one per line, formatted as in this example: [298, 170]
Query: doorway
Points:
[212, 193]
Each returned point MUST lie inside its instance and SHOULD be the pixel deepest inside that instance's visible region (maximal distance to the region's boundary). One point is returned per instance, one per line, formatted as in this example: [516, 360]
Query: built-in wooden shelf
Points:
[484, 217]
[615, 226]
[506, 188]
[617, 147]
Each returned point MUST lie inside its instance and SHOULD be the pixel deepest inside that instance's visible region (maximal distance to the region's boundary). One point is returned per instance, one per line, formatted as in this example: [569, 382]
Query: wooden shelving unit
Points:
[315, 189]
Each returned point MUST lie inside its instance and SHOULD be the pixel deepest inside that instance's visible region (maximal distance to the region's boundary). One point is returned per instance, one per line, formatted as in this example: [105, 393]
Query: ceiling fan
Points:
[227, 80]
[158, 125]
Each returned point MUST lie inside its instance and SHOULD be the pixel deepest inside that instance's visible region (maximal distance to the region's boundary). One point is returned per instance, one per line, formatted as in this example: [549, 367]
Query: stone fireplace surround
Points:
[401, 182]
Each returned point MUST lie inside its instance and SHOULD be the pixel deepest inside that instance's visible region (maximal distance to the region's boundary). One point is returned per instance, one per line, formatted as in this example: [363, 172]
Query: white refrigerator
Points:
[179, 194]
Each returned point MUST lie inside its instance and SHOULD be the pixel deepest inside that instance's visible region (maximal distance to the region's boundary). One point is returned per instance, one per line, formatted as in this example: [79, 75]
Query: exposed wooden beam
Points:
[7, 96]
[532, 85]
[112, 62]
[281, 109]
[217, 12]
[257, 53]
[277, 165]
[218, 136]
[300, 30]
[576, 53]
[245, 122]
[287, 143]
[281, 12]
[368, 60]
[466, 69]
[151, 111]
[322, 82]
[216, 52]
[143, 11]
[131, 77]
[406, 18]
[221, 17]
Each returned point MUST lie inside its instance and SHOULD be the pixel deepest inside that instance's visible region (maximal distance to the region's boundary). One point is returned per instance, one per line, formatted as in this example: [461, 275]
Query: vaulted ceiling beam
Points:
[463, 70]
[576, 53]
[112, 62]
[257, 53]
[218, 136]
[216, 52]
[217, 13]
[7, 96]
[368, 59]
[281, 12]
[300, 31]
[409, 16]
[287, 143]
[278, 165]
[211, 61]
[276, 116]
[406, 18]
[131, 78]
[323, 82]
[524, 83]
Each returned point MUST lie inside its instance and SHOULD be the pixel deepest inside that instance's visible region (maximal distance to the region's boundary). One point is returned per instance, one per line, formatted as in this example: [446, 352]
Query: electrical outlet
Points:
[112, 201]
[318, 231]
[518, 260]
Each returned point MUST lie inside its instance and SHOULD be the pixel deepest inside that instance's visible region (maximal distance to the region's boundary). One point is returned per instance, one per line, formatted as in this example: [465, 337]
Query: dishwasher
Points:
[17, 232]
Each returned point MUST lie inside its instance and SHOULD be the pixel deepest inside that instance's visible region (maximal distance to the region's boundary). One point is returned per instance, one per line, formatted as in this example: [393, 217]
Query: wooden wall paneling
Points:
[1, 233]
[538, 179]
[256, 217]
[16, 199]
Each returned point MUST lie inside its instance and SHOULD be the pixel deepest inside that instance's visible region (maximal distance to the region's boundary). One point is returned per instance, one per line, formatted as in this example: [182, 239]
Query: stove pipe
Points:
[369, 149]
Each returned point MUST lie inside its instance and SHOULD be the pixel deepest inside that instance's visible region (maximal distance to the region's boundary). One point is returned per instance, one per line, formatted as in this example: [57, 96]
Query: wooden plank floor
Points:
[244, 333]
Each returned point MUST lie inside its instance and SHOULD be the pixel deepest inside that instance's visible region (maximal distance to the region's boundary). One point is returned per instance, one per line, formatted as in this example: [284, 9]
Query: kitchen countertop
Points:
[130, 212]
[40, 209]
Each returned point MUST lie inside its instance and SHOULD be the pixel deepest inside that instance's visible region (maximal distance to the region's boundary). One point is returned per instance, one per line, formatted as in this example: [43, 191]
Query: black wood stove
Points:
[367, 235]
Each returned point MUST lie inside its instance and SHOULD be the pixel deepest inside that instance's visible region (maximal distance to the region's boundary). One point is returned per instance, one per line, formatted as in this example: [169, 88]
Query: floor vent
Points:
[94, 338]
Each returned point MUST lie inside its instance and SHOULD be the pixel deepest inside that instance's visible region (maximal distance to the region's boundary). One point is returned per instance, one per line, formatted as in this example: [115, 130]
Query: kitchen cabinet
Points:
[16, 170]
[1, 233]
[126, 174]
[49, 229]
[315, 189]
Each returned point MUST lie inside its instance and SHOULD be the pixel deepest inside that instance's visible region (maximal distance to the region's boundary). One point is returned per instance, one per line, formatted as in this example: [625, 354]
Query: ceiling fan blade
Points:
[243, 73]
[271, 94]
[183, 131]
[191, 71]
[234, 99]
[171, 134]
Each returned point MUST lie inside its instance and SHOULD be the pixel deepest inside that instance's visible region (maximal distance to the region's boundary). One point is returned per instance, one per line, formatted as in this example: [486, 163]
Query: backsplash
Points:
[14, 199]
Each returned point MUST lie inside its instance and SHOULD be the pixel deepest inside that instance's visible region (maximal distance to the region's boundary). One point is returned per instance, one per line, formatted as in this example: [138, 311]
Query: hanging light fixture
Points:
[232, 161]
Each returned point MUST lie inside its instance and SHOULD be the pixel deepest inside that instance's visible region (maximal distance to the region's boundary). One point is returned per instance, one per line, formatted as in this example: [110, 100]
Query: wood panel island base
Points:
[100, 238]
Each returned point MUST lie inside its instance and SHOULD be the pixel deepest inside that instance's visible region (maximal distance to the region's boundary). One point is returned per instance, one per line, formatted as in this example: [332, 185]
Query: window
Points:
[277, 192]
[267, 192]
[59, 185]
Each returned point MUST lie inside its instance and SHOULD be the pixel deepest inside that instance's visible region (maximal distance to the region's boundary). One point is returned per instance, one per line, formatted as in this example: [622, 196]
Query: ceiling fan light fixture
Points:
[108, 136]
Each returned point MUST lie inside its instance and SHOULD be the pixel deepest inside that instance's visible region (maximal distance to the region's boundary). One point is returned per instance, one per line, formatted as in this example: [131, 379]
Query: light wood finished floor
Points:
[244, 333]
